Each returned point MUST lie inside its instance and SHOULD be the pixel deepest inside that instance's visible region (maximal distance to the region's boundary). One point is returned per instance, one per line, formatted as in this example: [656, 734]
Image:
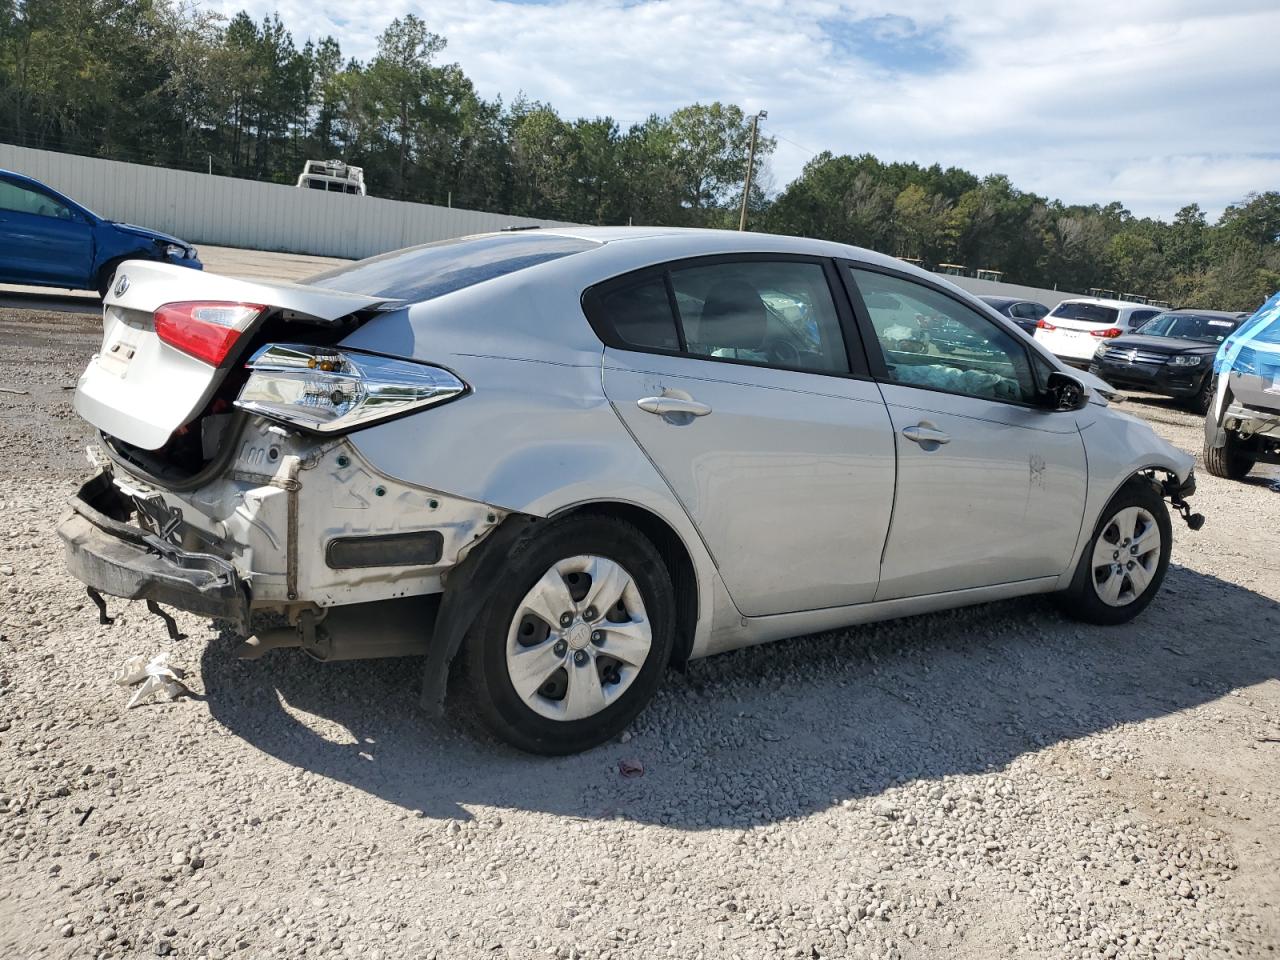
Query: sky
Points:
[1155, 103]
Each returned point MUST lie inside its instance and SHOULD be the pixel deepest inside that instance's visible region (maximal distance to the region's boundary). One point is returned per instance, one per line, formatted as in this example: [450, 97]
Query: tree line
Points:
[166, 83]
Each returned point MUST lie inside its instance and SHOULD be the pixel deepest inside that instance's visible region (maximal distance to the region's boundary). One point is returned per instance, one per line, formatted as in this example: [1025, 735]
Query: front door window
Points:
[930, 340]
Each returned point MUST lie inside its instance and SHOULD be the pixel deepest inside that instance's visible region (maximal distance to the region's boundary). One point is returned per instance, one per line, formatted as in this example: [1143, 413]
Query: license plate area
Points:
[115, 359]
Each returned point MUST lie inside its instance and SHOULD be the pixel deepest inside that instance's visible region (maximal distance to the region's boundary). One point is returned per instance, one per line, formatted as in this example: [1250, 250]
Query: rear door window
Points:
[770, 313]
[780, 314]
[431, 270]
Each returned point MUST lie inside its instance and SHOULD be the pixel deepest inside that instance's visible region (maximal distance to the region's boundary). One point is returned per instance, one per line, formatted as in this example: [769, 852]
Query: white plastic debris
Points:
[159, 680]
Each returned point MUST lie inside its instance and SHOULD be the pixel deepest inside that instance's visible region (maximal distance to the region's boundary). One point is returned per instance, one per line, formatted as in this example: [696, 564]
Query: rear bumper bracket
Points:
[114, 557]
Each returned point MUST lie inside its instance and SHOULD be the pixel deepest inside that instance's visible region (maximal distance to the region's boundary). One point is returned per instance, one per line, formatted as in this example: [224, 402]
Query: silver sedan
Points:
[565, 459]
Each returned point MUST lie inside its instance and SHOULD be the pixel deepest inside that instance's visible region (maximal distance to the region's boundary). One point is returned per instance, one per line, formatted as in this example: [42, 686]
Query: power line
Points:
[778, 136]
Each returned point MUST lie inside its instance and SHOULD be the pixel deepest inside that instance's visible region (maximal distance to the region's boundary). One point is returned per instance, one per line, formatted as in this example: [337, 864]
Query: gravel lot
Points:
[985, 783]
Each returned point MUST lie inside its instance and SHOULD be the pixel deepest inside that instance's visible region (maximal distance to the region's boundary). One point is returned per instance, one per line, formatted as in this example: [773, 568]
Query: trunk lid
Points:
[140, 389]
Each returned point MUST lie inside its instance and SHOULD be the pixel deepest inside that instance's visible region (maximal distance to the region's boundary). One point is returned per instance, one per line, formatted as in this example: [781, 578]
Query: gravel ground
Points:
[984, 783]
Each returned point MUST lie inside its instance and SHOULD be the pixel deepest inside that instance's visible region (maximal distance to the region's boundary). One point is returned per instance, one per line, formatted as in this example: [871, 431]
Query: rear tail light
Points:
[329, 391]
[1109, 332]
[205, 329]
[1045, 325]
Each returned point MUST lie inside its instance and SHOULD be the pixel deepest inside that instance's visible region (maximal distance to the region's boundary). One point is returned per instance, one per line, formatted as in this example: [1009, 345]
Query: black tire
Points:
[1227, 461]
[1081, 600]
[107, 276]
[1202, 400]
[498, 705]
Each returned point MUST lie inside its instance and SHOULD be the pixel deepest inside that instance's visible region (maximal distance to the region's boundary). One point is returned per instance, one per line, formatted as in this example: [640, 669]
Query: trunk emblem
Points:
[122, 285]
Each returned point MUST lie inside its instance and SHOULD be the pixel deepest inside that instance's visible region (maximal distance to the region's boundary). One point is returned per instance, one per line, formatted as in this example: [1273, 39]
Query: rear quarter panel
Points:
[538, 438]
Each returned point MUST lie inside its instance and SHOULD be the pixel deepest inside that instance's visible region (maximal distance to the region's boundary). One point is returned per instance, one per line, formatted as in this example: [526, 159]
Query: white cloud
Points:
[1155, 103]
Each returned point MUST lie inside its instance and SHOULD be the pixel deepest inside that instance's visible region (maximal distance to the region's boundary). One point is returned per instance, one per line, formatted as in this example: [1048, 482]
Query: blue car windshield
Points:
[1189, 326]
[431, 270]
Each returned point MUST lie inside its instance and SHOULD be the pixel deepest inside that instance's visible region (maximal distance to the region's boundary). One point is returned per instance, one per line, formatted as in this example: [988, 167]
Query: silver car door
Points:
[991, 485]
[733, 377]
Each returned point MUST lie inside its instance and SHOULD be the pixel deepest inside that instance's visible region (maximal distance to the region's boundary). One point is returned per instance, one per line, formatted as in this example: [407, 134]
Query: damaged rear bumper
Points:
[123, 560]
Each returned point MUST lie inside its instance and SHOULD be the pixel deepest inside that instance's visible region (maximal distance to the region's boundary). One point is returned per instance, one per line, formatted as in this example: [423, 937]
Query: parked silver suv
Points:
[578, 455]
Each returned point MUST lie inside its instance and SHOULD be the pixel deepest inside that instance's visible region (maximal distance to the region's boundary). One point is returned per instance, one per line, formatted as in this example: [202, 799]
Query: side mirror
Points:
[1065, 393]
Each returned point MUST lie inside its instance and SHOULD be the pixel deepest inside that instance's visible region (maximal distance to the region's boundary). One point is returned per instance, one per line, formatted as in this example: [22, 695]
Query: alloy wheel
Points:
[1126, 556]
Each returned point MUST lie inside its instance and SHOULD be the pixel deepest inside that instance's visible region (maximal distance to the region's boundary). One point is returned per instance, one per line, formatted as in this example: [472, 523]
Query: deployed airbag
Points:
[974, 382]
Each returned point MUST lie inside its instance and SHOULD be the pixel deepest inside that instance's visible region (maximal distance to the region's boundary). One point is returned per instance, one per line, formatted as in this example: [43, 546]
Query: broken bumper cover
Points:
[123, 560]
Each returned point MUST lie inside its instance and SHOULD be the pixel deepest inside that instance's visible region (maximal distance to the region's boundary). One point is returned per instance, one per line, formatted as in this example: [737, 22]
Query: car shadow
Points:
[776, 731]
[1155, 401]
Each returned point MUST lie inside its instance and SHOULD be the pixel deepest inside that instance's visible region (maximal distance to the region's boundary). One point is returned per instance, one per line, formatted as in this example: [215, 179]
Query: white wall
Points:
[268, 216]
[989, 288]
[247, 213]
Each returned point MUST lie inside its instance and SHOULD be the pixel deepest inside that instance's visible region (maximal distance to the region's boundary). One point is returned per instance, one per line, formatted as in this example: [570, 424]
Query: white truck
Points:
[332, 176]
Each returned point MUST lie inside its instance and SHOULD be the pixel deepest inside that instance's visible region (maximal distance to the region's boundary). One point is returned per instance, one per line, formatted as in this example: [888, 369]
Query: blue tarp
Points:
[1257, 341]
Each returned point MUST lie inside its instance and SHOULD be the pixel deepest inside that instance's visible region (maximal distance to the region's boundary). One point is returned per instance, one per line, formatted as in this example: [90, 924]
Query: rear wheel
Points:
[1125, 561]
[574, 642]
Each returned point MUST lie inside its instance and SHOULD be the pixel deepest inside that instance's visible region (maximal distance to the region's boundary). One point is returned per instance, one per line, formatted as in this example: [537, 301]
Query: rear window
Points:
[434, 269]
[1088, 312]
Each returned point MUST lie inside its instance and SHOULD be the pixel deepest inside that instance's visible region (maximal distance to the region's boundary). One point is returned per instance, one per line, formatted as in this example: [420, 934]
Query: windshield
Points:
[434, 269]
[1188, 326]
[1089, 312]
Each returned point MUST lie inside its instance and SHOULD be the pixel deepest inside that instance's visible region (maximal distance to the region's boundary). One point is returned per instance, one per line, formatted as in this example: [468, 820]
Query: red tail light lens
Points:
[1109, 332]
[1045, 325]
[204, 329]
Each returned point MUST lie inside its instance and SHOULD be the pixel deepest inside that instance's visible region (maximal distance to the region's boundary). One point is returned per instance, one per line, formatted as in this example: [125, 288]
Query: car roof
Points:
[731, 241]
[1216, 314]
[1117, 304]
[552, 289]
[999, 301]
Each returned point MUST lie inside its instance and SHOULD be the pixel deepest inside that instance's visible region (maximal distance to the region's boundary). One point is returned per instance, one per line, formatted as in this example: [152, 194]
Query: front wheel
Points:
[1125, 560]
[1227, 461]
[106, 278]
[574, 643]
[1202, 400]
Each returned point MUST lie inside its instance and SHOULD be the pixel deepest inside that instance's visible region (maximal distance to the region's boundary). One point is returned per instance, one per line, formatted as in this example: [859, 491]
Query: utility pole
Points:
[751, 162]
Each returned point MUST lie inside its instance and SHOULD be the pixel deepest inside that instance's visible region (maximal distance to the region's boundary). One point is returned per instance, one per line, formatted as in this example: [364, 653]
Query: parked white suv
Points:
[579, 455]
[1074, 329]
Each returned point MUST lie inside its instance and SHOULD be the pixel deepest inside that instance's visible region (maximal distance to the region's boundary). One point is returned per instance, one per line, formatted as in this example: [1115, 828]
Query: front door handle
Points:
[666, 406]
[922, 433]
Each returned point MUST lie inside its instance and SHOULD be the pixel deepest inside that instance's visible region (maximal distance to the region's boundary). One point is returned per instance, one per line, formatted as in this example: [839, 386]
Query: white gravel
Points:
[992, 782]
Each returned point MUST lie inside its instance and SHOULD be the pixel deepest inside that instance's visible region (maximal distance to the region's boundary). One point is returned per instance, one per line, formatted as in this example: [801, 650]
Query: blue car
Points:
[49, 240]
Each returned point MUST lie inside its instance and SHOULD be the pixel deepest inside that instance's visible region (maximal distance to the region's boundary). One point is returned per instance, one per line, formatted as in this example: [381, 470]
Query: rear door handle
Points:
[665, 406]
[925, 434]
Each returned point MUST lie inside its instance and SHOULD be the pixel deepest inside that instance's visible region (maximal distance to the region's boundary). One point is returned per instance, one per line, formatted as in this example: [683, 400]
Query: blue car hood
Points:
[148, 233]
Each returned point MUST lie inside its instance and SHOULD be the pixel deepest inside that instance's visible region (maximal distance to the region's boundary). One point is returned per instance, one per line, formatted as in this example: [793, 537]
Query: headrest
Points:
[733, 315]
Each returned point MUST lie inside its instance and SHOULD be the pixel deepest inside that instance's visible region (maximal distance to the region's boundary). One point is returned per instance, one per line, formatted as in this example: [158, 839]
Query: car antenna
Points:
[532, 226]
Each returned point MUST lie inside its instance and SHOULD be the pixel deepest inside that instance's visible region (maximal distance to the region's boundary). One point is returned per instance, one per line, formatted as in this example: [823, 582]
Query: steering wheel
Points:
[782, 352]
